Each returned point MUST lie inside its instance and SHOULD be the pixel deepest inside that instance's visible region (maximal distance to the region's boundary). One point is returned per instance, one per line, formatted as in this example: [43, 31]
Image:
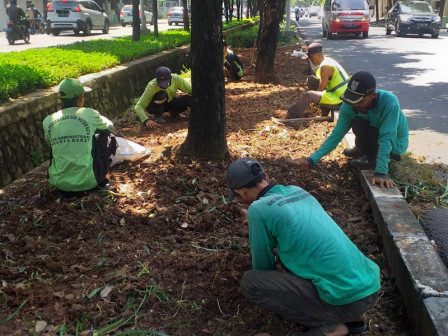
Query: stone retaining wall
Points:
[22, 141]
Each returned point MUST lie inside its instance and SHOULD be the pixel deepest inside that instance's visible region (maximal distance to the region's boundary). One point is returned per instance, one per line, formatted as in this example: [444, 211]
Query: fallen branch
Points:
[282, 121]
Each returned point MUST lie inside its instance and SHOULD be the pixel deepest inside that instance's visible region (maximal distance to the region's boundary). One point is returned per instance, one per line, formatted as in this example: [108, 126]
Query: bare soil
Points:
[165, 253]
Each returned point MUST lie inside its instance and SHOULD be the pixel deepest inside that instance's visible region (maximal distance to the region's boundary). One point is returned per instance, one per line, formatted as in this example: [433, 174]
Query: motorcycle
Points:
[47, 27]
[16, 32]
[37, 25]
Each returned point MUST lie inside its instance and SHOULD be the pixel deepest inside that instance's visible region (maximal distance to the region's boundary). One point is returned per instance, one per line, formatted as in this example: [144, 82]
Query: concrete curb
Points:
[421, 275]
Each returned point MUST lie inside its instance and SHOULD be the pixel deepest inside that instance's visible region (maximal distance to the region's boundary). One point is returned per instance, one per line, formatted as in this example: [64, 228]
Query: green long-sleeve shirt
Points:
[177, 83]
[310, 244]
[386, 116]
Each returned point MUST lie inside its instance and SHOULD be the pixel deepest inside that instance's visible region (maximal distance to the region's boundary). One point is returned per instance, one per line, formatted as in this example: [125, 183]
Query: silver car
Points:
[77, 15]
[176, 15]
[126, 16]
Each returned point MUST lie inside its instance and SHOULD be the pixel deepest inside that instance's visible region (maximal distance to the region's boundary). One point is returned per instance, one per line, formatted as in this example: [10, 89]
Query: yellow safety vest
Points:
[336, 85]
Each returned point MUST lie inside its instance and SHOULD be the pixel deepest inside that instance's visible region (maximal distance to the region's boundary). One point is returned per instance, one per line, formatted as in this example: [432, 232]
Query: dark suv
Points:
[77, 15]
[412, 17]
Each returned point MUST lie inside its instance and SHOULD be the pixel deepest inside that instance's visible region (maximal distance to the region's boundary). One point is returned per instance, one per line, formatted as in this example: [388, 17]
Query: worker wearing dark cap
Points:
[380, 128]
[325, 88]
[327, 284]
[161, 96]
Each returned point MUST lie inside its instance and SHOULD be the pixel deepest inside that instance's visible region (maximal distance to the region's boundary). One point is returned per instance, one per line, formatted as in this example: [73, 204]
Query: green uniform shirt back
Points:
[386, 116]
[70, 134]
[177, 83]
[310, 244]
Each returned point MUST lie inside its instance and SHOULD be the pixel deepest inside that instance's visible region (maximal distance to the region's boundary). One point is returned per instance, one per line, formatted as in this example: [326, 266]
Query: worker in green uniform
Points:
[327, 281]
[325, 88]
[233, 66]
[160, 96]
[81, 142]
[380, 128]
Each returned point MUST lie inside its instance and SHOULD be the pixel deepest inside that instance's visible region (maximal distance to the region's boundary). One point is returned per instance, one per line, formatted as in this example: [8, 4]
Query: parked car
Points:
[412, 17]
[126, 15]
[176, 15]
[346, 17]
[76, 15]
[320, 14]
[314, 11]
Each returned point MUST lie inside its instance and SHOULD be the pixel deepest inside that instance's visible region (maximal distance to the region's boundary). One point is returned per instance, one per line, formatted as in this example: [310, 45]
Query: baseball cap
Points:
[314, 48]
[71, 88]
[360, 85]
[163, 75]
[242, 172]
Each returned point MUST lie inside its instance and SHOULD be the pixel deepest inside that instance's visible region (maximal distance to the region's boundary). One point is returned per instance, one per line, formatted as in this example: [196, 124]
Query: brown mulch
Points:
[165, 252]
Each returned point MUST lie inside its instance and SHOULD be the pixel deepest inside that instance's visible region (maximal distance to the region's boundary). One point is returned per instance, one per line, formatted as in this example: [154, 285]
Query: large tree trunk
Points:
[271, 14]
[155, 15]
[186, 20]
[135, 20]
[206, 137]
[226, 10]
[115, 6]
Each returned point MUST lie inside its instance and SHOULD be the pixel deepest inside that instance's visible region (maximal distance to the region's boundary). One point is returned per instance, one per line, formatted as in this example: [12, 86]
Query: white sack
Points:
[128, 150]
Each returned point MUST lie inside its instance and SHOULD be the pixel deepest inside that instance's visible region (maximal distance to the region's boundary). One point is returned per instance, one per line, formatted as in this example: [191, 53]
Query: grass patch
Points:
[246, 38]
[29, 70]
[422, 185]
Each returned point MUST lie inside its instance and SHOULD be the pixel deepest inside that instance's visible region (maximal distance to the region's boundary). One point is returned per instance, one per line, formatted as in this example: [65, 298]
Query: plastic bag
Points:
[299, 54]
[128, 150]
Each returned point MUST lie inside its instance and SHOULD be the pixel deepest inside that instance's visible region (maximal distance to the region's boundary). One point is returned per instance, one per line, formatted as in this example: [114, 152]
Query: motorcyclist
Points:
[17, 15]
[34, 16]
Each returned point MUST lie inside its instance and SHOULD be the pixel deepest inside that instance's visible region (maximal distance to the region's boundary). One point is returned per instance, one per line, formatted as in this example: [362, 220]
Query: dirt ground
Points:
[163, 254]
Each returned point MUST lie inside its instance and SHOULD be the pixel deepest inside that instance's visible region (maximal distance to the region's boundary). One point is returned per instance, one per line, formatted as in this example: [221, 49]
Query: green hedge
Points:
[32, 69]
[246, 38]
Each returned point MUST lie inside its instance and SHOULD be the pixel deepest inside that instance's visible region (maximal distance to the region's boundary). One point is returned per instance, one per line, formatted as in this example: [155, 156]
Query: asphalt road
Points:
[413, 68]
[67, 37]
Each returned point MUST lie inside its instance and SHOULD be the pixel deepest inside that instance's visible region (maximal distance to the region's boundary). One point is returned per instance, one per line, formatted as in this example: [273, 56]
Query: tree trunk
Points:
[116, 8]
[226, 10]
[186, 20]
[155, 15]
[271, 14]
[377, 11]
[135, 20]
[206, 137]
[239, 10]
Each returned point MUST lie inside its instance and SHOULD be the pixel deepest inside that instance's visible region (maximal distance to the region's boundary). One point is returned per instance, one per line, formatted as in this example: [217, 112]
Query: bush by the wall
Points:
[26, 71]
[32, 69]
[246, 38]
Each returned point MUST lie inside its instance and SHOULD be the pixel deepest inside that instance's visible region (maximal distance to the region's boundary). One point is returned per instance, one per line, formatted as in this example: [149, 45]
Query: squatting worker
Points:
[233, 67]
[328, 280]
[325, 88]
[161, 96]
[380, 128]
[81, 142]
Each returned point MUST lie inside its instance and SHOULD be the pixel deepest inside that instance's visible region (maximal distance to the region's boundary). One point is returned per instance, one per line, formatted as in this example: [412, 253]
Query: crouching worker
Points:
[233, 67]
[328, 283]
[161, 96]
[325, 88]
[380, 128]
[81, 142]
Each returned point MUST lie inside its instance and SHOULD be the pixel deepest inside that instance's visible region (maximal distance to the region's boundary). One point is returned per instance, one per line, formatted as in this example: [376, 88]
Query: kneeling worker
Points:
[81, 142]
[325, 88]
[379, 125]
[233, 67]
[328, 283]
[161, 96]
